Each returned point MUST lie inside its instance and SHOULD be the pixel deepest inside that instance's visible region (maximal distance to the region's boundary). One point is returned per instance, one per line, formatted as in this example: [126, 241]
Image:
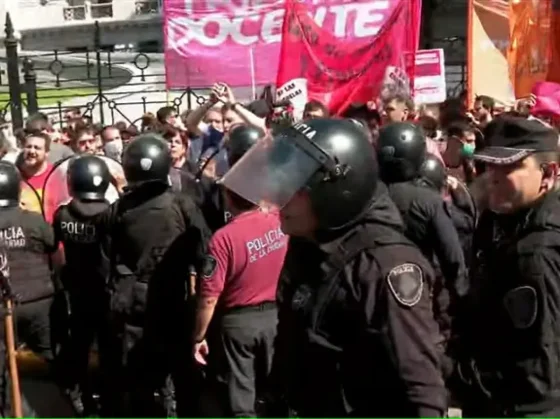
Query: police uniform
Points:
[509, 341]
[84, 278]
[402, 155]
[356, 333]
[29, 240]
[142, 225]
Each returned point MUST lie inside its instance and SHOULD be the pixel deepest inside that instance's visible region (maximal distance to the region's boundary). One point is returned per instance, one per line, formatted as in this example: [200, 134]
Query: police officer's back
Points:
[29, 240]
[142, 225]
[85, 273]
[86, 266]
[401, 152]
[460, 203]
[510, 343]
[356, 335]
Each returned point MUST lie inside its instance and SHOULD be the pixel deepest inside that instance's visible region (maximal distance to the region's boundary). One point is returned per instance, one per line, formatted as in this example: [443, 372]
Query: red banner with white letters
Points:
[314, 64]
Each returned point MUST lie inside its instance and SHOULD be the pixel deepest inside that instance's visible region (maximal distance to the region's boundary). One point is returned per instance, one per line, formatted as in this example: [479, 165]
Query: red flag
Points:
[341, 72]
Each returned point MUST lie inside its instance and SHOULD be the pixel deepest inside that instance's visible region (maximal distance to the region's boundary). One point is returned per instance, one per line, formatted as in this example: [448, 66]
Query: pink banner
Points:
[238, 41]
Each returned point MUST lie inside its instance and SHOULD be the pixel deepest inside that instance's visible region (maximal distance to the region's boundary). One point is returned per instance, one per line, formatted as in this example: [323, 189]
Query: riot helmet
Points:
[146, 159]
[10, 180]
[331, 159]
[433, 173]
[88, 178]
[240, 139]
[401, 150]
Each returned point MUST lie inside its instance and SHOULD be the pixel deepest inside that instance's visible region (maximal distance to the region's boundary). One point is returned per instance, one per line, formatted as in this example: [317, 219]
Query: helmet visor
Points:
[271, 172]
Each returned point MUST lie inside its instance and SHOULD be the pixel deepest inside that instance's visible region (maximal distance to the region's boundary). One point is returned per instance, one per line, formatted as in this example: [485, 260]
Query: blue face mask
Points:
[467, 150]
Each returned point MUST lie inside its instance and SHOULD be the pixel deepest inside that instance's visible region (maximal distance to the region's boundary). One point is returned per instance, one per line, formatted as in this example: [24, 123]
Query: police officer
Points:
[401, 150]
[28, 239]
[460, 203]
[6, 406]
[85, 273]
[143, 224]
[510, 343]
[238, 292]
[356, 334]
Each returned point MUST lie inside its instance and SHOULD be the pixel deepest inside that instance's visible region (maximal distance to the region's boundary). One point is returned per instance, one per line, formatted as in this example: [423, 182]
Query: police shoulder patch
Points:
[209, 266]
[521, 306]
[406, 283]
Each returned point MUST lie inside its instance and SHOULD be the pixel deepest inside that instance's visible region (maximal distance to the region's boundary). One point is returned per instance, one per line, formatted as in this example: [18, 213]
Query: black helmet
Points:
[401, 149]
[88, 178]
[331, 158]
[240, 139]
[10, 180]
[146, 159]
[432, 172]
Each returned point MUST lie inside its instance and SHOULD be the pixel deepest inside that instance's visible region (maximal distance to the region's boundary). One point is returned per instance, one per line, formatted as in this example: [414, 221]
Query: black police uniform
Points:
[509, 346]
[84, 275]
[462, 210]
[510, 338]
[356, 334]
[353, 341]
[401, 152]
[142, 225]
[29, 240]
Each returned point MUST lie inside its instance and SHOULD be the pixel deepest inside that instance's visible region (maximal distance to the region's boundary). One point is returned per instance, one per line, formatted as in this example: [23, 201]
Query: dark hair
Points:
[77, 132]
[315, 105]
[226, 107]
[169, 132]
[164, 113]
[121, 125]
[149, 122]
[488, 103]
[460, 128]
[37, 123]
[429, 125]
[130, 131]
[361, 112]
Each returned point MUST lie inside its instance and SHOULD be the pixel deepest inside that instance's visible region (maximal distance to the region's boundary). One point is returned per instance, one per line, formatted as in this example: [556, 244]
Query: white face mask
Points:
[114, 149]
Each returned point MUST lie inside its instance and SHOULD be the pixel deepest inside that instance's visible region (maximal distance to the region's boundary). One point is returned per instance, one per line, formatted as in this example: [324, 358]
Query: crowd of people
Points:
[239, 260]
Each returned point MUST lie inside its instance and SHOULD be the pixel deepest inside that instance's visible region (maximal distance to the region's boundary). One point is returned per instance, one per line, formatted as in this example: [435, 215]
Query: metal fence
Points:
[107, 86]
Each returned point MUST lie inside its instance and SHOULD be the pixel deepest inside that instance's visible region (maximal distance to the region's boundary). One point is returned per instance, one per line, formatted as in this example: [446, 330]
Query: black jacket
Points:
[87, 264]
[142, 225]
[429, 225]
[353, 339]
[510, 333]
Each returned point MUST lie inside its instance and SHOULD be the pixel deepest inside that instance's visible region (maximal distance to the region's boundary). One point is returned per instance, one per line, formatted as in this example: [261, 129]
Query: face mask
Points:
[467, 150]
[114, 149]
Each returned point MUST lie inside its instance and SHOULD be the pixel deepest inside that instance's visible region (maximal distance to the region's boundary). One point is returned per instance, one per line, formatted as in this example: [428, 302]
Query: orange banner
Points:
[488, 45]
[532, 55]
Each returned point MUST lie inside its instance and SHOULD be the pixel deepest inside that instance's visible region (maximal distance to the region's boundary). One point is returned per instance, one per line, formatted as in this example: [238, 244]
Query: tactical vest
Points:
[330, 332]
[130, 283]
[29, 268]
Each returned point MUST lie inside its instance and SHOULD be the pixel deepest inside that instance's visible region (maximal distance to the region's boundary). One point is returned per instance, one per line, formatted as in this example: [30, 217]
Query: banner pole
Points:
[470, 21]
[253, 81]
